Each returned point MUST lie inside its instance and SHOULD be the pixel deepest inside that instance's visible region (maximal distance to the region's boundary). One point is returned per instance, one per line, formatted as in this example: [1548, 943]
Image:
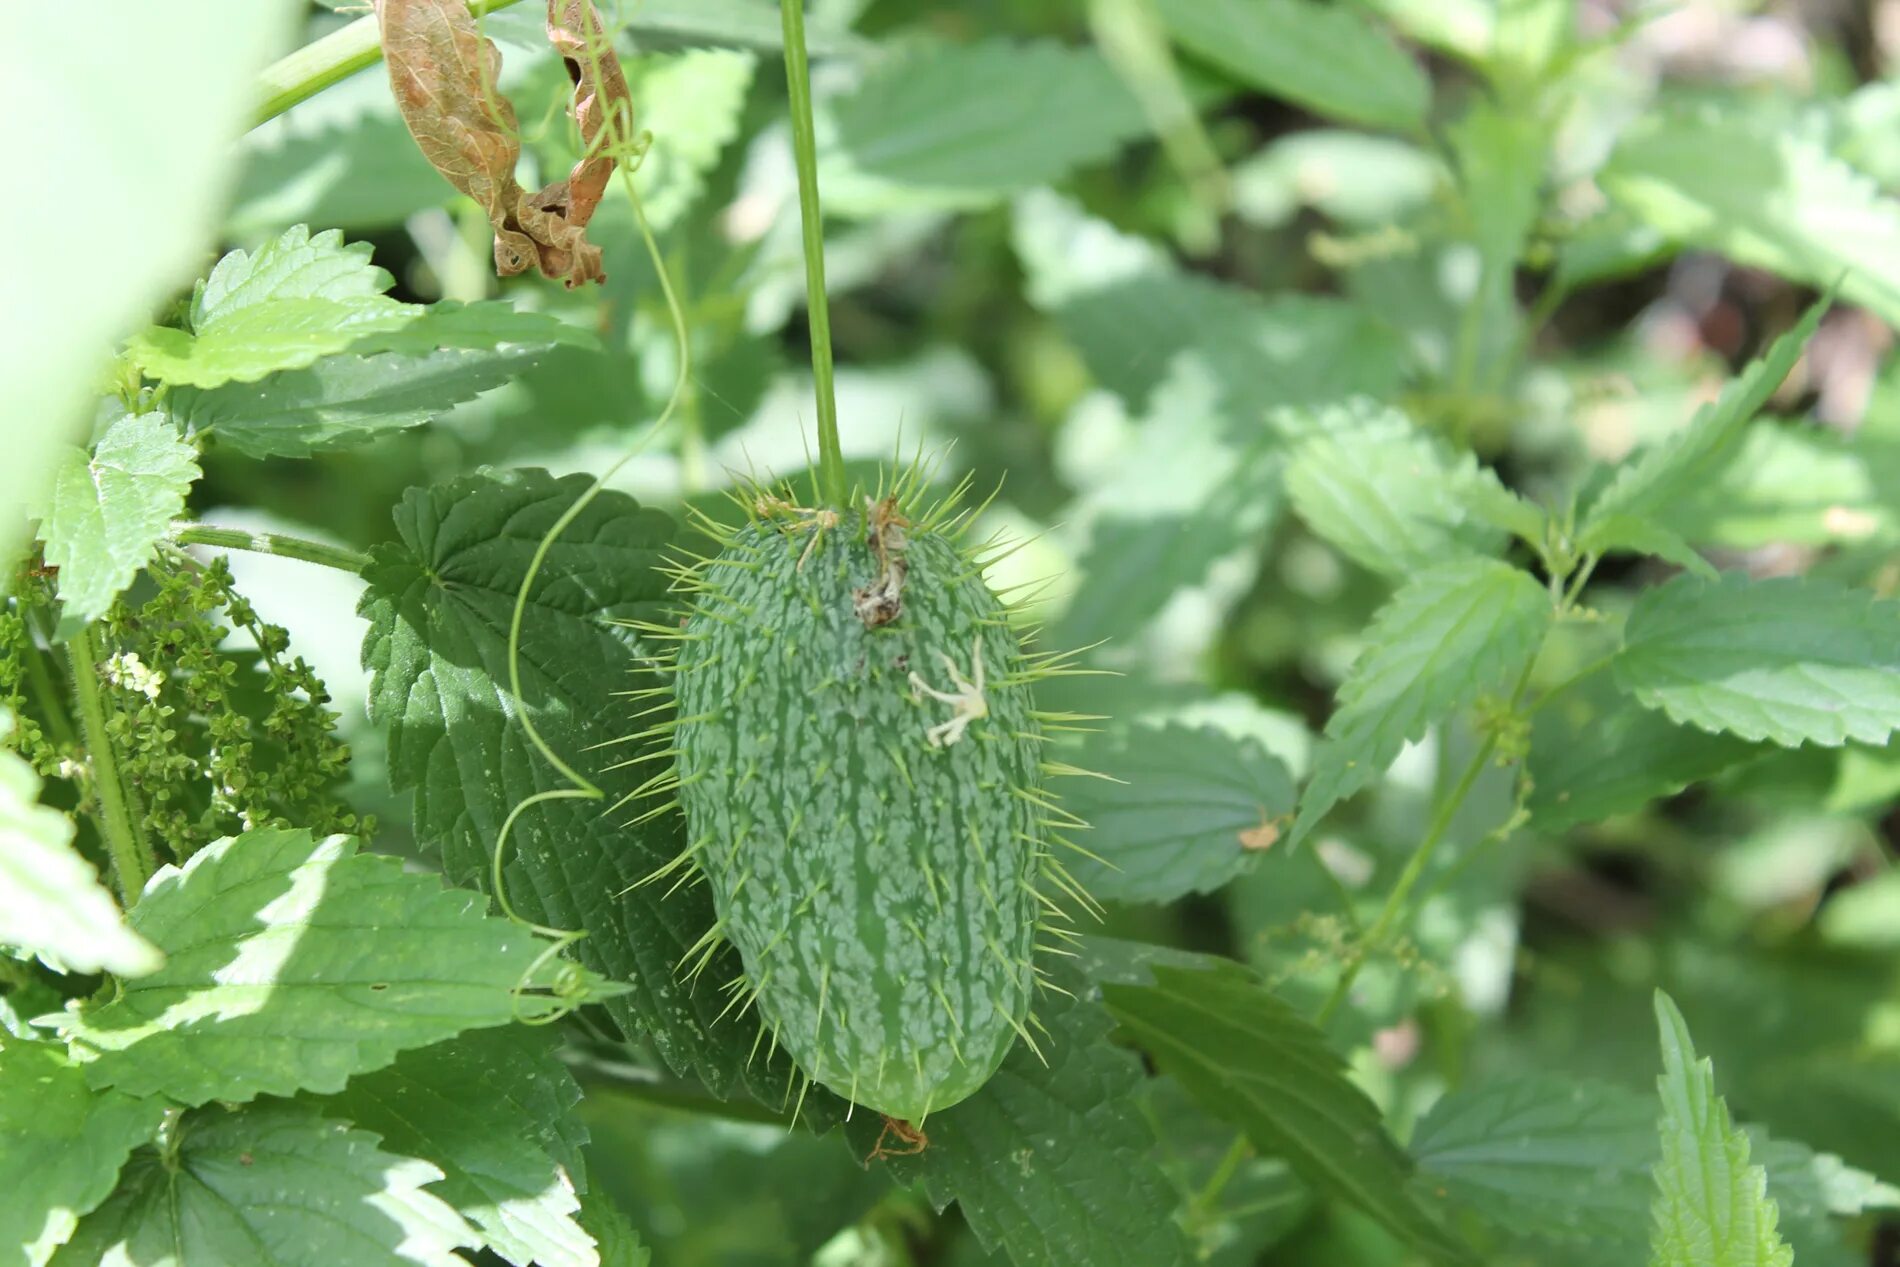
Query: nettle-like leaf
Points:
[439, 604]
[1180, 811]
[1764, 192]
[293, 963]
[990, 118]
[1596, 753]
[1711, 1207]
[1810, 1189]
[271, 1185]
[692, 104]
[1456, 633]
[110, 508]
[1561, 1163]
[1249, 1058]
[61, 1147]
[1327, 58]
[615, 1240]
[1053, 1159]
[1791, 660]
[293, 301]
[1263, 354]
[1790, 483]
[385, 383]
[492, 1110]
[51, 901]
[1391, 497]
[1631, 513]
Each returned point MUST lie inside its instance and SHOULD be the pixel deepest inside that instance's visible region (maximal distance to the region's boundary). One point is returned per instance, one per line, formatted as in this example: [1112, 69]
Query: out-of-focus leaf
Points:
[691, 103]
[1180, 811]
[1788, 483]
[1790, 660]
[1322, 56]
[990, 117]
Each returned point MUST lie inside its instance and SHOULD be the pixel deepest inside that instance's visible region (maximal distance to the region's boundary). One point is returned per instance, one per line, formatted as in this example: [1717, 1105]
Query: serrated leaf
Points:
[1809, 1189]
[1791, 660]
[1263, 353]
[1596, 754]
[61, 1147]
[293, 963]
[492, 1110]
[1053, 1161]
[692, 104]
[110, 508]
[1186, 810]
[1391, 497]
[296, 299]
[1711, 1207]
[1626, 515]
[51, 901]
[1557, 1162]
[1251, 1059]
[1324, 57]
[1787, 483]
[1455, 633]
[439, 603]
[990, 117]
[403, 379]
[1764, 192]
[618, 1243]
[271, 1185]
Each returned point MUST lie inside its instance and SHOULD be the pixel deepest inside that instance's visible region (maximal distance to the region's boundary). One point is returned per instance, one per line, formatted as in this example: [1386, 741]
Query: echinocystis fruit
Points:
[859, 762]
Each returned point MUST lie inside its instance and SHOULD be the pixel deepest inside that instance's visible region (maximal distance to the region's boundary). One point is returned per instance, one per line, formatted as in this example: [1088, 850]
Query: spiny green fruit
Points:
[858, 758]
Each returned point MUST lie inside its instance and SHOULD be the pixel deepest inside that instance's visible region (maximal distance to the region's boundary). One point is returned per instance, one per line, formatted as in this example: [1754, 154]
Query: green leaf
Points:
[451, 354]
[1501, 155]
[1249, 1058]
[1763, 190]
[61, 1147]
[1322, 56]
[1261, 353]
[1790, 660]
[1787, 483]
[439, 603]
[617, 1244]
[1809, 1189]
[157, 150]
[1184, 808]
[1053, 1159]
[1596, 754]
[1711, 1207]
[692, 105]
[271, 1185]
[990, 117]
[1391, 497]
[110, 509]
[491, 1109]
[53, 903]
[297, 299]
[1650, 484]
[1557, 1162]
[1457, 632]
[293, 963]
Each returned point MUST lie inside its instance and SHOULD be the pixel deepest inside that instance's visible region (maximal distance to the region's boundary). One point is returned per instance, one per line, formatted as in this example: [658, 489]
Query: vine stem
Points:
[276, 543]
[131, 854]
[301, 75]
[811, 220]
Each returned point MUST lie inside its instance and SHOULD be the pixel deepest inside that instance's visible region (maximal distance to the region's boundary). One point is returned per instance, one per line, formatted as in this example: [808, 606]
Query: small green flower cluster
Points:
[216, 740]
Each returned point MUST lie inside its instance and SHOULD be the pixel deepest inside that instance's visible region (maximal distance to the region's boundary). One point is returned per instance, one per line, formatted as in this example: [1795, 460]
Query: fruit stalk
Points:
[811, 218]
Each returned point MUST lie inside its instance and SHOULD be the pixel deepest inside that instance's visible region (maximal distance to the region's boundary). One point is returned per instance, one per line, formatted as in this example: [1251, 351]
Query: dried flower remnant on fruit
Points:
[882, 601]
[445, 74]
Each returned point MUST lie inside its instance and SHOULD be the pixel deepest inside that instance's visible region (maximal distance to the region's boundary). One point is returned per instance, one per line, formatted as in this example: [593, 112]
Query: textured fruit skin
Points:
[879, 888]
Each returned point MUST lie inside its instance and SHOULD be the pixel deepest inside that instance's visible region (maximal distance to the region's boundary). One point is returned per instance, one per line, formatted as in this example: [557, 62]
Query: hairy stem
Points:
[341, 558]
[126, 846]
[811, 218]
[303, 74]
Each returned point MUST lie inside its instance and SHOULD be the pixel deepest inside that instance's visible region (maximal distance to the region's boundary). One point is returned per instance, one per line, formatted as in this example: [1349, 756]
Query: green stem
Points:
[40, 679]
[811, 218]
[1395, 901]
[303, 74]
[342, 558]
[1209, 1196]
[131, 854]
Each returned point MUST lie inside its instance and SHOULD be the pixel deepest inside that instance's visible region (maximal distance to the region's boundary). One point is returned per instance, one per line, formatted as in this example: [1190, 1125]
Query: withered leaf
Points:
[445, 75]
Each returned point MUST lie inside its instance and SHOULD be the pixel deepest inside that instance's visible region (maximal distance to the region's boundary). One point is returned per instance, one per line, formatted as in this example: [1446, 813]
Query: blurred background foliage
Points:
[1091, 245]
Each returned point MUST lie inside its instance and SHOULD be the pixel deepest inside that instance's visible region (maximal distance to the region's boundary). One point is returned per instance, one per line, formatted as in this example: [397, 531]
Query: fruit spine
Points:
[858, 757]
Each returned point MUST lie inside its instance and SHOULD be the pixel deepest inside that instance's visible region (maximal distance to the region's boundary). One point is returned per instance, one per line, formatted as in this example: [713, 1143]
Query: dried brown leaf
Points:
[445, 75]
